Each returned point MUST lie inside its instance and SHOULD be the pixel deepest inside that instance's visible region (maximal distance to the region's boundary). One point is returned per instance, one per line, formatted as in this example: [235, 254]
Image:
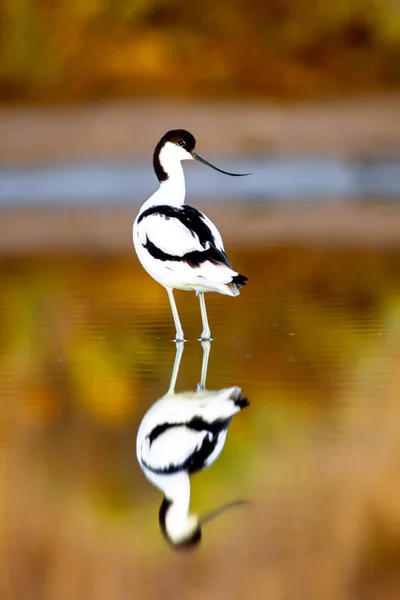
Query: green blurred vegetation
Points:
[54, 50]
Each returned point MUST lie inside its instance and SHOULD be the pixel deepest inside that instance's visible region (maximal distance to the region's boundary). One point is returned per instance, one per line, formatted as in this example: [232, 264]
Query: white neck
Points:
[177, 517]
[179, 524]
[172, 191]
[176, 488]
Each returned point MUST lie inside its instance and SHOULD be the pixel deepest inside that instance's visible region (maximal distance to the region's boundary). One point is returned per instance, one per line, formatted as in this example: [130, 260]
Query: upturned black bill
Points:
[218, 511]
[204, 161]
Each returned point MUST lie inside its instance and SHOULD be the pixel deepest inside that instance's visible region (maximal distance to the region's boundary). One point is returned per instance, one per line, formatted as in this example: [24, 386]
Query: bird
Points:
[181, 434]
[177, 244]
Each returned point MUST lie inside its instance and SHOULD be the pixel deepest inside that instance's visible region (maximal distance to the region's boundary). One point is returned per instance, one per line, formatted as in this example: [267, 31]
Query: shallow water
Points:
[313, 341]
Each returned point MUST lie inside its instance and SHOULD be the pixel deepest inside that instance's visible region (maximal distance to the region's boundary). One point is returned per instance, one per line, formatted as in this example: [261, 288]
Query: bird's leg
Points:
[179, 331]
[175, 370]
[206, 333]
[206, 345]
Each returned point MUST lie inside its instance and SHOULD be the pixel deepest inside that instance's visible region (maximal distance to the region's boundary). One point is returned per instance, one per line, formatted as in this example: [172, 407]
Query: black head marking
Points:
[187, 544]
[162, 516]
[181, 138]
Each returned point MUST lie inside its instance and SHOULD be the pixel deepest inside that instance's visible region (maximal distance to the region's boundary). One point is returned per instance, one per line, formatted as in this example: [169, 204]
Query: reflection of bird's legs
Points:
[206, 333]
[204, 366]
[179, 351]
[179, 331]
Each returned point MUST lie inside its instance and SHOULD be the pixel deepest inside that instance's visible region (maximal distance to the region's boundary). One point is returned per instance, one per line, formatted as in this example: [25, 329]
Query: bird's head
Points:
[183, 531]
[177, 145]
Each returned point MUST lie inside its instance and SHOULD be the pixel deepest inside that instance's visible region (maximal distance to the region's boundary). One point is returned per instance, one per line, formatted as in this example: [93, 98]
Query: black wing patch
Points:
[191, 218]
[193, 259]
[196, 461]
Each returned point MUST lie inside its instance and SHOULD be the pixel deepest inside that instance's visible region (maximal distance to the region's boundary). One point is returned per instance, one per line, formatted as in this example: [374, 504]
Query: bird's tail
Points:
[239, 280]
[233, 400]
[221, 403]
[238, 399]
[236, 283]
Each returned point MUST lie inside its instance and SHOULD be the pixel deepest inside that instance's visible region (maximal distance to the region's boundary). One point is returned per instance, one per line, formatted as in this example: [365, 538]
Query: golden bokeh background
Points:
[301, 89]
[313, 342]
[54, 50]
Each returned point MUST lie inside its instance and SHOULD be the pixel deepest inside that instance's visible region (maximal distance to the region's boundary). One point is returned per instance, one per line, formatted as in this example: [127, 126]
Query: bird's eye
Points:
[181, 143]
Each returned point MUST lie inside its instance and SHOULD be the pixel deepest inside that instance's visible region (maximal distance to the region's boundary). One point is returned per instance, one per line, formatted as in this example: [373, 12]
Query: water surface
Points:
[313, 341]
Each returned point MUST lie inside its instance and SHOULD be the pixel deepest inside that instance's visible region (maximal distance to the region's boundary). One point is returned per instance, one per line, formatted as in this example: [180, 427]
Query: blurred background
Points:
[89, 49]
[306, 96]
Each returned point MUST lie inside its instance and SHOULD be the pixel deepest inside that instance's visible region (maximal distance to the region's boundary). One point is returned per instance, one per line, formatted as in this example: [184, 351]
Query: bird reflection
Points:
[181, 434]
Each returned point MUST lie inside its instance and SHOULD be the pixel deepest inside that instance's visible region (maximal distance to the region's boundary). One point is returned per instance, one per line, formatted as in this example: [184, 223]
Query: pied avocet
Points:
[177, 244]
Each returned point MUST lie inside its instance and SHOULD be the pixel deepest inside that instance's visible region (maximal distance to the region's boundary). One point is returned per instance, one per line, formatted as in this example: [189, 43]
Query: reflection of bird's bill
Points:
[218, 511]
[205, 162]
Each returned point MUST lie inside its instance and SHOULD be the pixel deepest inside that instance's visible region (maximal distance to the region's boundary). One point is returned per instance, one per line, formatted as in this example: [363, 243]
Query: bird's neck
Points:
[171, 191]
[174, 187]
[176, 489]
[174, 511]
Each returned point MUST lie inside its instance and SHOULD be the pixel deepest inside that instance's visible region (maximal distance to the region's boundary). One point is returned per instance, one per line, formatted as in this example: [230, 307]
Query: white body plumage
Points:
[173, 238]
[173, 431]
